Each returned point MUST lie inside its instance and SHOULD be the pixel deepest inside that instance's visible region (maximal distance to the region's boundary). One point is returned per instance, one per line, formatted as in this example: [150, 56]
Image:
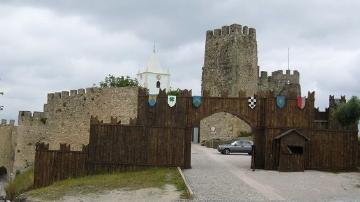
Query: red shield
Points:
[301, 102]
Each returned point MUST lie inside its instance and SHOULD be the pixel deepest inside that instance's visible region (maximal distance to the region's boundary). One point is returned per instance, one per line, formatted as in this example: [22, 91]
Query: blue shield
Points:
[152, 100]
[280, 101]
[196, 101]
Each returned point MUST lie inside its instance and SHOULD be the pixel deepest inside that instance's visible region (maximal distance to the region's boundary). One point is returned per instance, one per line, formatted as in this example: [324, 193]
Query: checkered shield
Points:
[252, 102]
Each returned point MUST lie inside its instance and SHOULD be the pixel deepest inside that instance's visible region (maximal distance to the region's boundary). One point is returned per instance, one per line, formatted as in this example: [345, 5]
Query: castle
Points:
[231, 69]
[230, 66]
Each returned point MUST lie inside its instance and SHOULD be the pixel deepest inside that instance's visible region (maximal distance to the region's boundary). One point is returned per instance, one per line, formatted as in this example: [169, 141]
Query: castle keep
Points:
[231, 62]
[231, 65]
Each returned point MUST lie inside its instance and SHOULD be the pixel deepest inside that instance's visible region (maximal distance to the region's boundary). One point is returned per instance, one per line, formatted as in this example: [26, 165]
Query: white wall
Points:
[149, 81]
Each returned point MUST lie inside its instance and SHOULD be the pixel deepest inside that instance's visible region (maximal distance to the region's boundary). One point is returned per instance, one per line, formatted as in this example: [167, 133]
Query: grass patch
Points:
[153, 177]
[21, 183]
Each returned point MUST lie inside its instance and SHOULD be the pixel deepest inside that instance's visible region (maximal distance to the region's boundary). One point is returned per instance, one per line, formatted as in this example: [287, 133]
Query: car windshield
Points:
[233, 143]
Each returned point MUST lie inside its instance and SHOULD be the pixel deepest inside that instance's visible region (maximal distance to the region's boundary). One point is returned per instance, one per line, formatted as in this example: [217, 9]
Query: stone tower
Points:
[231, 63]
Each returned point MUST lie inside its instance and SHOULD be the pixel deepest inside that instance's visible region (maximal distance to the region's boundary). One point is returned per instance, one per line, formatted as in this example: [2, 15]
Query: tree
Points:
[348, 113]
[174, 92]
[122, 81]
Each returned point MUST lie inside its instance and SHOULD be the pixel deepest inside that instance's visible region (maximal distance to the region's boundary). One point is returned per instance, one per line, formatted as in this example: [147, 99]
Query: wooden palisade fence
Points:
[114, 147]
[54, 165]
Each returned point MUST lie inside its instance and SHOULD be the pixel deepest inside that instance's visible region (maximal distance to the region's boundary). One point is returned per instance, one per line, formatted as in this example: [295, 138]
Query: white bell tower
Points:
[153, 77]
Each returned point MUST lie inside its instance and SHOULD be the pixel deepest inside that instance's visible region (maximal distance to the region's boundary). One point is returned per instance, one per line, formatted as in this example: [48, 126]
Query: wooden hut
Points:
[291, 150]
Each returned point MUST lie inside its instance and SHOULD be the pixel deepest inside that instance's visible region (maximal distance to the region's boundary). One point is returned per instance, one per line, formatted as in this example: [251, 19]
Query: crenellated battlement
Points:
[280, 73]
[276, 76]
[75, 103]
[335, 101]
[234, 29]
[280, 82]
[31, 116]
[72, 93]
[5, 122]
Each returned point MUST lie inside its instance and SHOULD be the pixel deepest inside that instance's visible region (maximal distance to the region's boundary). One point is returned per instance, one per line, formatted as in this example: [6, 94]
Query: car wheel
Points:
[249, 153]
[227, 151]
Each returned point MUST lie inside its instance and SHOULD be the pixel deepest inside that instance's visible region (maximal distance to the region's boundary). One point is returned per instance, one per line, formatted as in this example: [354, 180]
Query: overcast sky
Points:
[48, 46]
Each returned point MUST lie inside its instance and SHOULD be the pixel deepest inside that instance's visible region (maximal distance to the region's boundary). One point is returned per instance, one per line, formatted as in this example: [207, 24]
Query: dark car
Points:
[238, 146]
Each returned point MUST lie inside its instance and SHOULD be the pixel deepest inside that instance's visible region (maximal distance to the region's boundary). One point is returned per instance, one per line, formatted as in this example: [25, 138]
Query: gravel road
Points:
[217, 177]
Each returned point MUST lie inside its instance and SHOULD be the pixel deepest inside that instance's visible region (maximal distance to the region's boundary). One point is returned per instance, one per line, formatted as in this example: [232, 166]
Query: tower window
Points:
[158, 84]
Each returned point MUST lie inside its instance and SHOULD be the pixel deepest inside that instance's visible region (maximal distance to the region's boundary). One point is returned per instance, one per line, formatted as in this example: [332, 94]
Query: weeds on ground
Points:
[21, 183]
[153, 177]
[244, 134]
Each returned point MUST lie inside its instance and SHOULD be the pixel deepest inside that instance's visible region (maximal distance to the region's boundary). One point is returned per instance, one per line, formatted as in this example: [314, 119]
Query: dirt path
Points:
[167, 193]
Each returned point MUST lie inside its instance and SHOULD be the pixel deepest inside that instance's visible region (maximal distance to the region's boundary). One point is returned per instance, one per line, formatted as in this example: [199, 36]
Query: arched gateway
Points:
[268, 122]
[221, 126]
[3, 172]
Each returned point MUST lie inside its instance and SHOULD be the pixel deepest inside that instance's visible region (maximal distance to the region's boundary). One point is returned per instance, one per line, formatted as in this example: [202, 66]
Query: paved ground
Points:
[228, 178]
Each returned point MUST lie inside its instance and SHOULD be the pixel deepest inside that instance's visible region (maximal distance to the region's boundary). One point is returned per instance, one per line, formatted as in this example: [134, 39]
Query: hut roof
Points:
[289, 132]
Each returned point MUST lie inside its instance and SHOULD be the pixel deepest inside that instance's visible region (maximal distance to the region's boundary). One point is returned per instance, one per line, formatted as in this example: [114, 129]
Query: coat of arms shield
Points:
[280, 101]
[301, 102]
[252, 102]
[152, 100]
[196, 101]
[171, 100]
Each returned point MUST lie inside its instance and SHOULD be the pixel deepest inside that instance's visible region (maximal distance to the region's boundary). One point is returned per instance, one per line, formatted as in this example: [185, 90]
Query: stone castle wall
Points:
[227, 126]
[280, 83]
[231, 63]
[66, 118]
[8, 143]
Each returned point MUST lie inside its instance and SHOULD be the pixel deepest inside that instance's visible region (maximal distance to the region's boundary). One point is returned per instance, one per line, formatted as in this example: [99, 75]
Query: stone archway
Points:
[223, 126]
[3, 172]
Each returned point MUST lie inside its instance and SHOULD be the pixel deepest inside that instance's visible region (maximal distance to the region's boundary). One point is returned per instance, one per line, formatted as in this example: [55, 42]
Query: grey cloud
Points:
[56, 45]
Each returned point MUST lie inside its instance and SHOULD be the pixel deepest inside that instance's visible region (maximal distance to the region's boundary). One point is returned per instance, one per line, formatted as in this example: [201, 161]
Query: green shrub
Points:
[348, 113]
[176, 92]
[122, 81]
[21, 183]
[244, 134]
